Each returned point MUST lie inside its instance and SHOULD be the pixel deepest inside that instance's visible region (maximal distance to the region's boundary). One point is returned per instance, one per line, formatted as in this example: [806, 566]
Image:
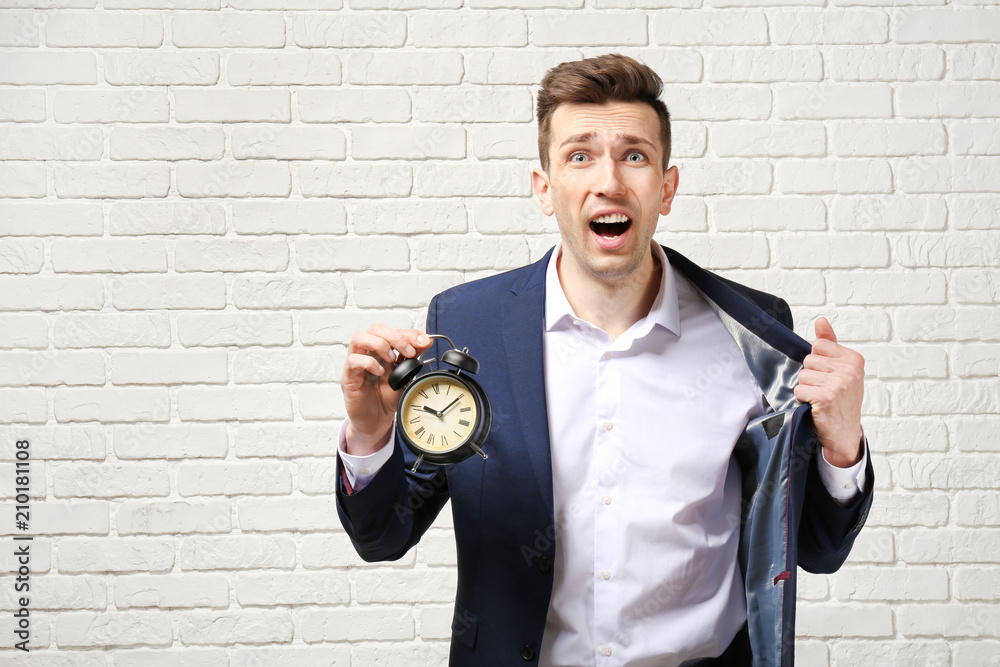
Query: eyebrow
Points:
[587, 137]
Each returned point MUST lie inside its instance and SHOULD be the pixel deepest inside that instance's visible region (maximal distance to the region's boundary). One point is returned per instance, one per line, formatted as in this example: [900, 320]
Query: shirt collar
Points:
[664, 311]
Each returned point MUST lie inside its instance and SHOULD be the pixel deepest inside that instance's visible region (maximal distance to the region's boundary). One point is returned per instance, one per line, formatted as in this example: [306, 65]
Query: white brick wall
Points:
[200, 201]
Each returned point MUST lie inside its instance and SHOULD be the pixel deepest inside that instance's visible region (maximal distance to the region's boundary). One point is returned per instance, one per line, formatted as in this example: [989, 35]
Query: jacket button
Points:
[543, 564]
[527, 652]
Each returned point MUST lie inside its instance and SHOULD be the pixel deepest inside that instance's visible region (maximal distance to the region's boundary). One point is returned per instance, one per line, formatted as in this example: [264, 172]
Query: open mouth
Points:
[610, 226]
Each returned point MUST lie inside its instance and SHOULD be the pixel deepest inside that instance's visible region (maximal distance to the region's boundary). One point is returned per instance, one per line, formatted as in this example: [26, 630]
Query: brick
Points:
[728, 251]
[288, 143]
[432, 253]
[796, 287]
[767, 213]
[176, 441]
[841, 251]
[50, 518]
[56, 592]
[510, 216]
[80, 330]
[289, 4]
[101, 480]
[898, 653]
[229, 479]
[484, 104]
[355, 180]
[237, 552]
[232, 106]
[223, 330]
[162, 4]
[838, 620]
[874, 545]
[686, 28]
[486, 28]
[974, 212]
[975, 653]
[234, 179]
[767, 140]
[976, 286]
[588, 29]
[292, 588]
[51, 293]
[225, 30]
[307, 656]
[977, 508]
[410, 217]
[975, 61]
[896, 139]
[161, 69]
[702, 104]
[949, 620]
[358, 105]
[171, 591]
[947, 25]
[244, 627]
[926, 508]
[282, 293]
[57, 442]
[840, 177]
[47, 67]
[887, 63]
[972, 360]
[764, 66]
[950, 324]
[401, 290]
[265, 403]
[335, 328]
[22, 406]
[167, 217]
[834, 101]
[887, 288]
[23, 179]
[298, 514]
[424, 585]
[889, 583]
[949, 100]
[424, 653]
[21, 255]
[127, 181]
[23, 332]
[22, 105]
[156, 367]
[405, 68]
[318, 477]
[262, 366]
[114, 256]
[970, 249]
[114, 554]
[437, 547]
[730, 177]
[408, 142]
[830, 27]
[357, 30]
[157, 292]
[947, 175]
[51, 143]
[112, 405]
[888, 213]
[497, 142]
[974, 137]
[167, 143]
[328, 625]
[289, 217]
[231, 255]
[957, 397]
[123, 105]
[360, 254]
[104, 30]
[514, 66]
[21, 369]
[89, 630]
[164, 517]
[276, 69]
[492, 179]
[18, 30]
[321, 401]
[50, 218]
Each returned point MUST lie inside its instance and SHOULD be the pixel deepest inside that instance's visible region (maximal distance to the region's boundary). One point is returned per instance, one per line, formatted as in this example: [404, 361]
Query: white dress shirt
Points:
[646, 491]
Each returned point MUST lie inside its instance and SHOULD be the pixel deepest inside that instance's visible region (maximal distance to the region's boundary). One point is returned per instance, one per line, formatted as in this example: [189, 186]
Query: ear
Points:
[670, 180]
[540, 184]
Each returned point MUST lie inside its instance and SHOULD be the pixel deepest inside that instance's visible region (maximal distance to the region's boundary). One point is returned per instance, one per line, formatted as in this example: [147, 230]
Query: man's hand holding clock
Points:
[369, 400]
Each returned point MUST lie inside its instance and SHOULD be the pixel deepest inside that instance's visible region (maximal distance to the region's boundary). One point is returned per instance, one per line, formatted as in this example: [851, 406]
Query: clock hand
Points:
[450, 404]
[436, 413]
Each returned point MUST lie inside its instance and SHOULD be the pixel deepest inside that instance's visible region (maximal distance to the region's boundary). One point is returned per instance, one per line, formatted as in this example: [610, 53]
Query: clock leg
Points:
[416, 464]
[479, 451]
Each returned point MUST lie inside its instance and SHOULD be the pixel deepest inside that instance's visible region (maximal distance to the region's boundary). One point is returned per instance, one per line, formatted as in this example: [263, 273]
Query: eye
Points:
[635, 156]
[578, 158]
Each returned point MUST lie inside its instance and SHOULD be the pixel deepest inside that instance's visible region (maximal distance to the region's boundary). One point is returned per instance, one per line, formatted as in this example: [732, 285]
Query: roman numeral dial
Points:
[439, 413]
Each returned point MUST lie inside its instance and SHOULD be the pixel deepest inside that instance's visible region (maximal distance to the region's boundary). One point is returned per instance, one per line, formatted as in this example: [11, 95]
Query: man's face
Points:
[606, 185]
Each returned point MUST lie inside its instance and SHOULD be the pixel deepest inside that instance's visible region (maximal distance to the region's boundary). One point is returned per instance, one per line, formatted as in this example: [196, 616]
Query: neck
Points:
[612, 306]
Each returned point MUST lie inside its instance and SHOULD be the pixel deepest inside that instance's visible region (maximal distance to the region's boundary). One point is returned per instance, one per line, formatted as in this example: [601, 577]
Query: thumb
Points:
[825, 330]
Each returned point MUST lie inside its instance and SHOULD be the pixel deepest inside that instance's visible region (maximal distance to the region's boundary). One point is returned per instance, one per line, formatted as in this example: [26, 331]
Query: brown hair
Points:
[609, 78]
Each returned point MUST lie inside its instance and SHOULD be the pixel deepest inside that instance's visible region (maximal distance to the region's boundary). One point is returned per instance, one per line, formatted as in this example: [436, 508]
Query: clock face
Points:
[439, 413]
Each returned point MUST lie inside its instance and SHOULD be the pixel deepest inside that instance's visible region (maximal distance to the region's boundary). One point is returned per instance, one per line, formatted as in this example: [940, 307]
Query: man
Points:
[652, 477]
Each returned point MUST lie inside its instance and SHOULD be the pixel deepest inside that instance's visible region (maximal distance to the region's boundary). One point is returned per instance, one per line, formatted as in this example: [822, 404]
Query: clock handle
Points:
[416, 464]
[479, 451]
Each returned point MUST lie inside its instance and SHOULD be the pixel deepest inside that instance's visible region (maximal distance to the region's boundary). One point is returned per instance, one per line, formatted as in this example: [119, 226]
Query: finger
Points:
[818, 362]
[825, 347]
[807, 394]
[824, 330]
[404, 341]
[813, 378]
[358, 364]
[364, 342]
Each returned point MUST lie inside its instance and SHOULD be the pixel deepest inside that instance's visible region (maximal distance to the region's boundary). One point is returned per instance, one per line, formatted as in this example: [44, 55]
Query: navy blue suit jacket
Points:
[503, 507]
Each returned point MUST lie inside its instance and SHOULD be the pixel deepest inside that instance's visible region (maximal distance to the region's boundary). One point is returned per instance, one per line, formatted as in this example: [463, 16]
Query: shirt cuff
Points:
[845, 484]
[361, 469]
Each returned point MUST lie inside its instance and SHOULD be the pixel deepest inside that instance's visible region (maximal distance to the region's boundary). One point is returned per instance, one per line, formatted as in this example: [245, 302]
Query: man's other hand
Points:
[369, 400]
[832, 380]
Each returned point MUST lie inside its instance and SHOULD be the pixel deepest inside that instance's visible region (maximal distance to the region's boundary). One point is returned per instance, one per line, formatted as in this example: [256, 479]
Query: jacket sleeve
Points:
[391, 513]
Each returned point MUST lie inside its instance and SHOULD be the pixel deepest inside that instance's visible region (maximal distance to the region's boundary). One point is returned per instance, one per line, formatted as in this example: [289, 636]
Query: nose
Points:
[609, 181]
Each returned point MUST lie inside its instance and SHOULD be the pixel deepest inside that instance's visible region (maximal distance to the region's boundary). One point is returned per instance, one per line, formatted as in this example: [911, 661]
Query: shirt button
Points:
[608, 355]
[576, 323]
[365, 471]
[606, 650]
[607, 500]
[849, 486]
[608, 426]
[606, 575]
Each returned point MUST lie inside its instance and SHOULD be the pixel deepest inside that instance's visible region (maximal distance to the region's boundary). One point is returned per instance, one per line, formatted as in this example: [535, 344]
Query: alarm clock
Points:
[443, 416]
